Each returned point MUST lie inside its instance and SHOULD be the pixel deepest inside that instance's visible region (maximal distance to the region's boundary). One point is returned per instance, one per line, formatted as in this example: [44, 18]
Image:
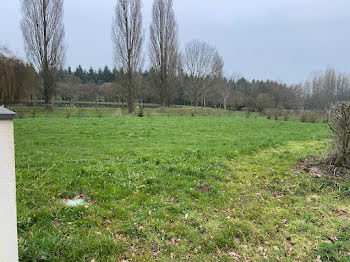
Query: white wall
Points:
[8, 220]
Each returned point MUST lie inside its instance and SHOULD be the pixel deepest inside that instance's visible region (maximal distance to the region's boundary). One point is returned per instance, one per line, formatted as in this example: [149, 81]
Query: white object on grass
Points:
[76, 202]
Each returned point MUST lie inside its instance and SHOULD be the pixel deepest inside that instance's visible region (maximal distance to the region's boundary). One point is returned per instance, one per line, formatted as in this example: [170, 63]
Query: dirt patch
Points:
[204, 189]
[317, 167]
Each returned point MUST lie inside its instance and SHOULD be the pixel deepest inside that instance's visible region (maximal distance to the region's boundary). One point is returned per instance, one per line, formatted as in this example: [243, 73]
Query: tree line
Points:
[192, 76]
[17, 79]
[227, 93]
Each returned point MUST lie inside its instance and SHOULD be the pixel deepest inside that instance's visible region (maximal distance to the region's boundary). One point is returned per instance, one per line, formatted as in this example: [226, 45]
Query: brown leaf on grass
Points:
[204, 189]
[79, 197]
[339, 213]
[120, 237]
[318, 259]
[155, 251]
[174, 241]
[234, 255]
[332, 239]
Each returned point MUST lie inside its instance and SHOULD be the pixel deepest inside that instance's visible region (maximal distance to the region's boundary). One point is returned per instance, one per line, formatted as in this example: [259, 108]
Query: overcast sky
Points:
[282, 40]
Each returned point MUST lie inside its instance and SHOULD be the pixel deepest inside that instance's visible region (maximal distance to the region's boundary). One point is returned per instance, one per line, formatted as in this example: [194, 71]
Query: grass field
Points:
[176, 188]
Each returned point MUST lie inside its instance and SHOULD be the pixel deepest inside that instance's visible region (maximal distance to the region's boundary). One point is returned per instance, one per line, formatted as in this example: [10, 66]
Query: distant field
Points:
[176, 188]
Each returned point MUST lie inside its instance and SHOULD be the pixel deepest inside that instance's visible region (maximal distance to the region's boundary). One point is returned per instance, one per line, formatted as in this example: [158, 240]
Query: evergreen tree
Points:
[100, 76]
[91, 77]
[79, 72]
[108, 75]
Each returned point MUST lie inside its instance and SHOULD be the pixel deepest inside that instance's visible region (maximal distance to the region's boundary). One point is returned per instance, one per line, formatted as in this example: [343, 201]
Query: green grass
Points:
[141, 177]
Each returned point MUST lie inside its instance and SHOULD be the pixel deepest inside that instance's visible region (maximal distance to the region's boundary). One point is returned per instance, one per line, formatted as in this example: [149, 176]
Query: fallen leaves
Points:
[234, 255]
[174, 241]
[133, 251]
[339, 213]
[332, 239]
[204, 189]
[230, 252]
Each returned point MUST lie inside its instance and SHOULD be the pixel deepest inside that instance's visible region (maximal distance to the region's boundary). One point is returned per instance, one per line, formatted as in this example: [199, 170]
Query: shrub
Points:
[268, 114]
[206, 112]
[309, 116]
[99, 112]
[339, 123]
[303, 117]
[278, 112]
[117, 113]
[68, 111]
[149, 113]
[313, 117]
[272, 112]
[33, 113]
[140, 114]
[20, 113]
[286, 115]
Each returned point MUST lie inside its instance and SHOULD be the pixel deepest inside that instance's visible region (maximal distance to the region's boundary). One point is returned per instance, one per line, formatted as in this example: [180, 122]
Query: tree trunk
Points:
[340, 160]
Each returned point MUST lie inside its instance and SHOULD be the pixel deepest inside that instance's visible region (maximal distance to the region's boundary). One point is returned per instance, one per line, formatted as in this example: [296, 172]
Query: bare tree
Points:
[227, 90]
[327, 88]
[339, 123]
[202, 64]
[163, 50]
[128, 38]
[43, 33]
